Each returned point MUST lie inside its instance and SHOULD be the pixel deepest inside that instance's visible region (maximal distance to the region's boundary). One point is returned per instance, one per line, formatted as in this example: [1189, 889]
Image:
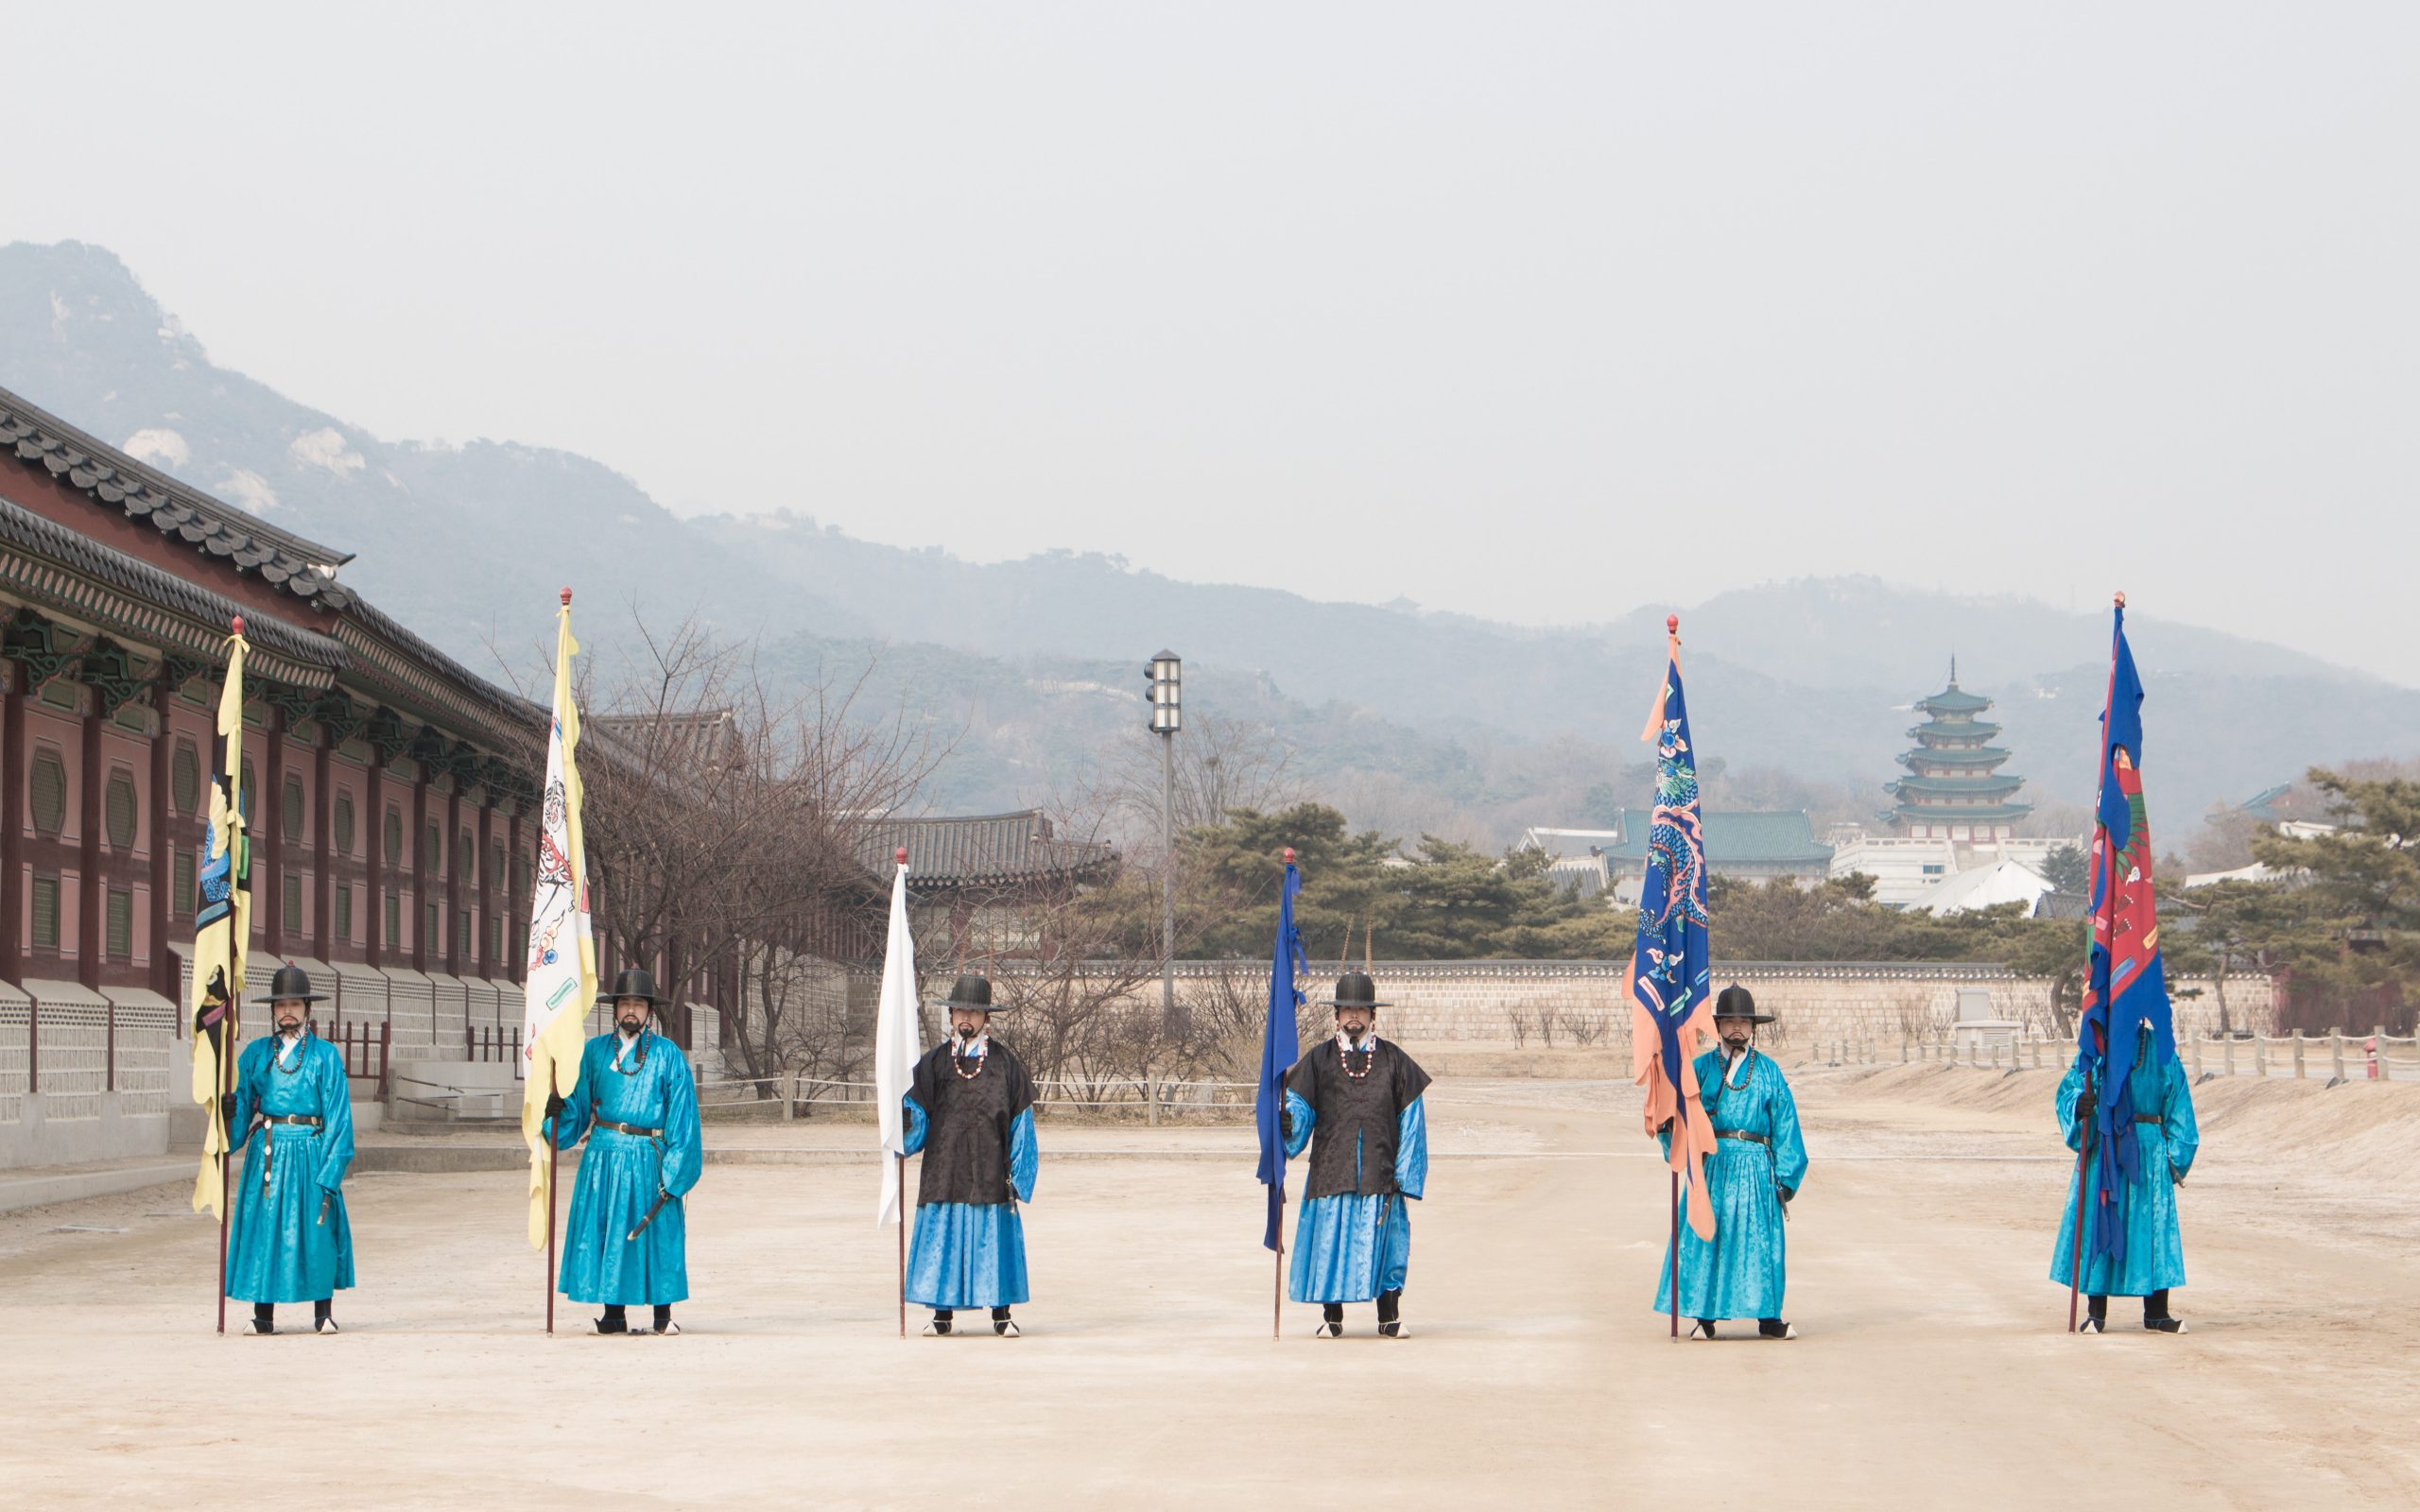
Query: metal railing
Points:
[2376, 1056]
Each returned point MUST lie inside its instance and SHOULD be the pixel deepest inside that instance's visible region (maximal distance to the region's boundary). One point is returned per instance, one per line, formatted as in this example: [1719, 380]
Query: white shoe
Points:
[669, 1330]
[325, 1325]
[1328, 1330]
[932, 1330]
[1007, 1328]
[1393, 1331]
[1700, 1331]
[2091, 1325]
[252, 1325]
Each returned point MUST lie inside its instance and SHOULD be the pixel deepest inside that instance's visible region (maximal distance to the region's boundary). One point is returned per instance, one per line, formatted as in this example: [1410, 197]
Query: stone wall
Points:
[1581, 1002]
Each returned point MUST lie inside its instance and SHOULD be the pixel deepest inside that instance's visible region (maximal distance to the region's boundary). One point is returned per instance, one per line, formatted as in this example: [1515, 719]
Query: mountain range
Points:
[1030, 669]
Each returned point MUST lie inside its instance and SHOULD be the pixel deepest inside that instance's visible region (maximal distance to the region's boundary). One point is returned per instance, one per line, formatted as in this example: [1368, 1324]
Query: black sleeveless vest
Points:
[967, 1123]
[1364, 1114]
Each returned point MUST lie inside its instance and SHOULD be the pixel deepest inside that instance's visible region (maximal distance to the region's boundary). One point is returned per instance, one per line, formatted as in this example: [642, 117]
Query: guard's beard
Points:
[289, 1027]
[1735, 1046]
[630, 1028]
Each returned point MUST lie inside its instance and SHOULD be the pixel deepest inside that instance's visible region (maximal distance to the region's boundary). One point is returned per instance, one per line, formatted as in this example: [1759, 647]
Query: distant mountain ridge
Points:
[1810, 677]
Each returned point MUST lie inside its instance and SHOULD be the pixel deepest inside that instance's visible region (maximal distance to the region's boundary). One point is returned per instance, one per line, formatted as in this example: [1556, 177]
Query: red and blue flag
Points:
[1669, 965]
[2126, 989]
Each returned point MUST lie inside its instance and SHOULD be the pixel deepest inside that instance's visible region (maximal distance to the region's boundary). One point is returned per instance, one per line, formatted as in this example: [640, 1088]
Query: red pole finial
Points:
[567, 598]
[1289, 855]
[1672, 625]
[239, 624]
[903, 849]
[2121, 598]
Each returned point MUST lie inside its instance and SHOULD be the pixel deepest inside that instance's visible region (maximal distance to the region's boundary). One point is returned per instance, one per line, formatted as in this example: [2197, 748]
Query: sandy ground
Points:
[1933, 1370]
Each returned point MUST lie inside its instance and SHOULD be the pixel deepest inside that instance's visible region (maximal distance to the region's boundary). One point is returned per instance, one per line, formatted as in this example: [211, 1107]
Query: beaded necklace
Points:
[639, 1060]
[1724, 1084]
[982, 1052]
[1368, 1060]
[277, 1058]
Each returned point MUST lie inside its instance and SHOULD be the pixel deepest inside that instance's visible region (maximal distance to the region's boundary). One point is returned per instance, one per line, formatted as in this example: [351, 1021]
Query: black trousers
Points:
[2154, 1306]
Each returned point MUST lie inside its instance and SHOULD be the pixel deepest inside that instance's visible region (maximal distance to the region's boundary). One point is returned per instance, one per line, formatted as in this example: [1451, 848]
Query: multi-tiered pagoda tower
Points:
[1954, 789]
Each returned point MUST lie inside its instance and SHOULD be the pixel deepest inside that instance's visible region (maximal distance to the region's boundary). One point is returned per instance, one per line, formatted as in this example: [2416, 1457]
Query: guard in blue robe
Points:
[970, 1113]
[626, 1240]
[290, 1240]
[1356, 1102]
[1759, 1163]
[2166, 1140]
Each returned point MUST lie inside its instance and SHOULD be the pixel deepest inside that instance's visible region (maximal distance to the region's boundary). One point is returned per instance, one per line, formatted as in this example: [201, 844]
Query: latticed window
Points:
[344, 911]
[463, 928]
[428, 940]
[181, 865]
[432, 850]
[393, 840]
[50, 793]
[394, 920]
[344, 823]
[252, 785]
[117, 809]
[46, 912]
[521, 876]
[119, 942]
[293, 804]
[495, 862]
[464, 854]
[495, 937]
[292, 913]
[184, 779]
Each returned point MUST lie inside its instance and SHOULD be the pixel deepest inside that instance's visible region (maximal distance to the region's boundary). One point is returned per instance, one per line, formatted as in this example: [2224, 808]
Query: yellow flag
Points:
[562, 965]
[222, 926]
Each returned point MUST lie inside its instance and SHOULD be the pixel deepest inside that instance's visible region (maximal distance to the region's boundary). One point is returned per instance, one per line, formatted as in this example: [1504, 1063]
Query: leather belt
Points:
[2148, 1118]
[631, 1129]
[1742, 1134]
[306, 1120]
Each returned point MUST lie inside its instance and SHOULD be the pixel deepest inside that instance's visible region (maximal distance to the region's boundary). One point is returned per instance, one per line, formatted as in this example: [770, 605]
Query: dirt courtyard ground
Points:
[1933, 1371]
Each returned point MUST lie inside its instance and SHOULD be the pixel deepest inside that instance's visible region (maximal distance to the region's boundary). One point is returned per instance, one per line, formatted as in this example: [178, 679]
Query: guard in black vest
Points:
[970, 1112]
[1355, 1100]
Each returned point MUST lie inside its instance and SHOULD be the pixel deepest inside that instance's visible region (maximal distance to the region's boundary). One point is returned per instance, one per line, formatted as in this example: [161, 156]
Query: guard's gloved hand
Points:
[1787, 1192]
[2085, 1105]
[2175, 1177]
[1284, 1123]
[227, 1109]
[554, 1105]
[1664, 1127]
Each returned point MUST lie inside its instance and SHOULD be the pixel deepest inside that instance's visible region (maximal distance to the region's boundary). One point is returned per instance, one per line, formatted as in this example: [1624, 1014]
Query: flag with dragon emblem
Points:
[561, 984]
[1669, 969]
[2125, 987]
[222, 925]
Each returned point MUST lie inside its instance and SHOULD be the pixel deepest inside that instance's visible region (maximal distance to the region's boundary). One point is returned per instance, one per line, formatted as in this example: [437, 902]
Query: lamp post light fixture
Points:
[1166, 674]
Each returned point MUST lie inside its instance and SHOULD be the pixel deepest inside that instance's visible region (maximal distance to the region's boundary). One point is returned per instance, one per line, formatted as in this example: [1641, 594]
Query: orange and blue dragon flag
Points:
[1669, 969]
[2126, 990]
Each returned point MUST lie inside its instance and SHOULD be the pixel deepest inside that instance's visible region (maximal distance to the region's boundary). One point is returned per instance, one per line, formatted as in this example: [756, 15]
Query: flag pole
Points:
[1676, 1248]
[554, 1167]
[226, 1136]
[2075, 1254]
[903, 1242]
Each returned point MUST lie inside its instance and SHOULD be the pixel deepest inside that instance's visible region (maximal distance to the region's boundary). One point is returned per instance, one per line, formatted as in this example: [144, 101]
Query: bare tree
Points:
[723, 822]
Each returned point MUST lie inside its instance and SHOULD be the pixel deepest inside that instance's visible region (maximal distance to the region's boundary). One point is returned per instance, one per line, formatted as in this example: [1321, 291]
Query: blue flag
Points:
[2125, 996]
[1277, 1052]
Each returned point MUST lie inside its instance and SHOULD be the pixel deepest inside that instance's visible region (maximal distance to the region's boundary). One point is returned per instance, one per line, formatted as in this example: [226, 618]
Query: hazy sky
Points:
[1535, 311]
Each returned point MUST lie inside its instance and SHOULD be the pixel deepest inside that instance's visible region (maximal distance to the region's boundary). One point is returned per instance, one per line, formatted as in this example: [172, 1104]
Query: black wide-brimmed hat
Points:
[1355, 989]
[636, 982]
[973, 991]
[1737, 1001]
[293, 981]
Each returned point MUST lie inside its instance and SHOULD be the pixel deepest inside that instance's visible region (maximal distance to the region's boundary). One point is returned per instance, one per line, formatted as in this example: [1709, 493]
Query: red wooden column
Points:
[89, 888]
[14, 806]
[419, 865]
[374, 942]
[324, 814]
[164, 839]
[269, 818]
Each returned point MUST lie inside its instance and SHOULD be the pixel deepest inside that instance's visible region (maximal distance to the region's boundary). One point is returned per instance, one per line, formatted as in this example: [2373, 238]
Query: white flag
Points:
[560, 972]
[896, 1045]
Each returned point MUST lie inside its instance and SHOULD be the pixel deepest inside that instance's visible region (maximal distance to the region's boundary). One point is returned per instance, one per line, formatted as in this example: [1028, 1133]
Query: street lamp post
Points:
[1166, 674]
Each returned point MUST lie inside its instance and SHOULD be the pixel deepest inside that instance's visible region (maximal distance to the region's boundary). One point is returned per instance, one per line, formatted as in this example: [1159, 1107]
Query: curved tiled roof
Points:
[1954, 700]
[303, 567]
[1978, 786]
[206, 615]
[1736, 837]
[982, 850]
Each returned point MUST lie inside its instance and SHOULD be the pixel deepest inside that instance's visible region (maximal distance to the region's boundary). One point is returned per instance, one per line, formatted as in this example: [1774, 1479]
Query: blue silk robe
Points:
[280, 1249]
[621, 1174]
[1349, 1248]
[972, 1254]
[1744, 1269]
[2155, 1246]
